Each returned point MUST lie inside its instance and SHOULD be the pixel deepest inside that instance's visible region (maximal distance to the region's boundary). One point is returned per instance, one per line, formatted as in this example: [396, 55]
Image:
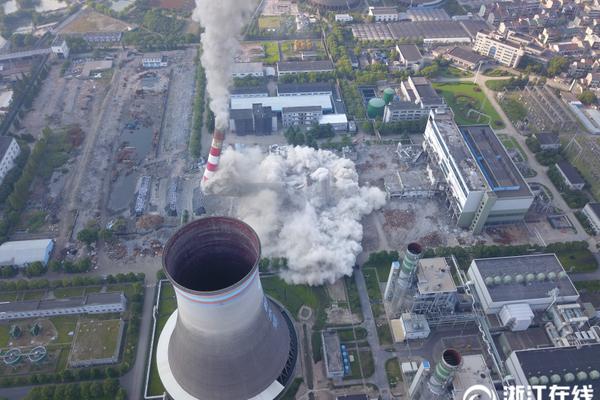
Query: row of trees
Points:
[296, 136]
[401, 127]
[195, 145]
[34, 284]
[574, 198]
[109, 388]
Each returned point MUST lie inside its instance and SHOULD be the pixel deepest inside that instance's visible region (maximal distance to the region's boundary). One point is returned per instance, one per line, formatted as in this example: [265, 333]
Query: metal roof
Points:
[24, 251]
[302, 66]
[570, 172]
[409, 52]
[5, 142]
[279, 102]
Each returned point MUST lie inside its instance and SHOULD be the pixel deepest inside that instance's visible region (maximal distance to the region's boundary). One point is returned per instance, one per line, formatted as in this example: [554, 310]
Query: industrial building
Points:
[226, 339]
[155, 61]
[436, 292]
[302, 67]
[24, 252]
[417, 98]
[301, 115]
[242, 70]
[548, 140]
[431, 32]
[93, 303]
[483, 186]
[592, 213]
[409, 327]
[465, 58]
[257, 120]
[304, 89]
[249, 91]
[332, 352]
[570, 175]
[338, 122]
[409, 56]
[494, 46]
[9, 151]
[564, 366]
[472, 371]
[383, 14]
[278, 103]
[537, 280]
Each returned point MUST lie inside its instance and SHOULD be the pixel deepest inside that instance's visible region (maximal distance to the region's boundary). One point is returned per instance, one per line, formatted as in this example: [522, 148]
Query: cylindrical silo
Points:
[388, 95]
[226, 340]
[375, 107]
[444, 371]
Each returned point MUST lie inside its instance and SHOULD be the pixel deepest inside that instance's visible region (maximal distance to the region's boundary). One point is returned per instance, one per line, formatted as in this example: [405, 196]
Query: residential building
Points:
[482, 184]
[60, 48]
[242, 70]
[592, 80]
[528, 279]
[548, 141]
[24, 252]
[592, 213]
[9, 151]
[301, 67]
[409, 56]
[494, 46]
[155, 61]
[343, 18]
[417, 98]
[570, 175]
[93, 303]
[301, 116]
[383, 14]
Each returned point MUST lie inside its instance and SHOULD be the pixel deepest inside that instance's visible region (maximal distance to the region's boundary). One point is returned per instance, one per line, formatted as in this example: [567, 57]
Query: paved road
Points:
[380, 356]
[133, 381]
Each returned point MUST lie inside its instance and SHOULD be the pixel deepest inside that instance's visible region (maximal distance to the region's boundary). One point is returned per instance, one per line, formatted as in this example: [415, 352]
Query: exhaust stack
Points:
[226, 340]
[411, 258]
[444, 372]
[214, 155]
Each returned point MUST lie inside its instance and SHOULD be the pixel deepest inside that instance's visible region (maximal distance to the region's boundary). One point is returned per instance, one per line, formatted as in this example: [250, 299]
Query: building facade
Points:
[495, 47]
[9, 151]
[417, 99]
[383, 14]
[155, 62]
[592, 213]
[301, 116]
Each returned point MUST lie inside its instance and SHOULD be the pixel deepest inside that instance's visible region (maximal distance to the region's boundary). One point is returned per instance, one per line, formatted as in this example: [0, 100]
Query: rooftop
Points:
[434, 276]
[427, 14]
[570, 172]
[383, 10]
[547, 138]
[595, 208]
[466, 54]
[250, 90]
[333, 352]
[5, 142]
[23, 251]
[278, 103]
[248, 67]
[54, 304]
[518, 268]
[301, 109]
[428, 29]
[303, 87]
[472, 371]
[494, 162]
[562, 360]
[410, 52]
[300, 66]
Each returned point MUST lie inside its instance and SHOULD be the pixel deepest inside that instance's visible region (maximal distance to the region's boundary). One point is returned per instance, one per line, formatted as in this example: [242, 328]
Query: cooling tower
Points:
[226, 340]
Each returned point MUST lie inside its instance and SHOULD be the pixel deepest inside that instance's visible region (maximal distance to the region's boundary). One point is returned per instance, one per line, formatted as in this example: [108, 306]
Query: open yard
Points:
[96, 339]
[469, 103]
[392, 369]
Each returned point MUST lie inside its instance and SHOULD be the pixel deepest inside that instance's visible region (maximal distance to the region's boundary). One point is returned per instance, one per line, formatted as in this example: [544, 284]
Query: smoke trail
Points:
[305, 205]
[222, 21]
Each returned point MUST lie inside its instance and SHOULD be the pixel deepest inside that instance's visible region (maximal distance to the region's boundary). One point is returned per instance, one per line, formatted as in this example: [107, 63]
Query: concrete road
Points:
[380, 356]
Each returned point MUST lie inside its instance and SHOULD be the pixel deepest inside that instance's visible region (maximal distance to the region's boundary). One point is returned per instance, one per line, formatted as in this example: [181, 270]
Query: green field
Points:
[578, 261]
[349, 334]
[467, 101]
[64, 325]
[61, 293]
[453, 72]
[269, 22]
[584, 154]
[271, 52]
[33, 294]
[294, 296]
[514, 109]
[497, 72]
[393, 371]
[4, 335]
[166, 305]
[95, 339]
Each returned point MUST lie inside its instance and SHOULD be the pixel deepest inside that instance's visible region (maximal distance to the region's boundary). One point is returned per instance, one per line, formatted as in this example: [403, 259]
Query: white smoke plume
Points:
[222, 21]
[305, 204]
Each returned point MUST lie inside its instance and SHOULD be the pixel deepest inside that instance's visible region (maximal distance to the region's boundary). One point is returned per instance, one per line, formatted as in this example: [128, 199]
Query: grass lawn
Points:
[514, 109]
[271, 52]
[4, 334]
[269, 22]
[510, 143]
[93, 289]
[33, 294]
[63, 326]
[392, 369]
[373, 289]
[353, 298]
[578, 261]
[96, 339]
[497, 72]
[62, 293]
[366, 361]
[588, 286]
[453, 72]
[348, 335]
[294, 296]
[8, 296]
[463, 97]
[166, 306]
[385, 334]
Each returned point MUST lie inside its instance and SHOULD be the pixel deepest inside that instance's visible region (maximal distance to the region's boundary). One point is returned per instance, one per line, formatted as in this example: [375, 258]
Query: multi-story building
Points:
[592, 213]
[257, 120]
[494, 46]
[592, 80]
[9, 151]
[301, 116]
[436, 293]
[417, 99]
[383, 14]
[570, 175]
[343, 18]
[482, 184]
[155, 61]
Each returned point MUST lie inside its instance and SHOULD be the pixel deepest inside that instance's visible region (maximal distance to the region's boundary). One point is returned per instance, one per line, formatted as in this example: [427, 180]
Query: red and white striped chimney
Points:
[214, 155]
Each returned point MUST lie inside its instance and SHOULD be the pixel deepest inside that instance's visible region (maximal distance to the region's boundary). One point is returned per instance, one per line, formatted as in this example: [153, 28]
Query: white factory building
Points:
[24, 252]
[482, 184]
[9, 151]
[94, 303]
[494, 46]
[242, 70]
[528, 281]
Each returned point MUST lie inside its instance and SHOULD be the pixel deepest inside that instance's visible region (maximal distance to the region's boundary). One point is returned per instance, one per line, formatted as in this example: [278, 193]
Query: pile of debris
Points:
[398, 218]
[149, 222]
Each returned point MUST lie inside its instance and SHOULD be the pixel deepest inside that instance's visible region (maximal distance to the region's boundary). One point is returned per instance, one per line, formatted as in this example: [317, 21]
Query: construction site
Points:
[128, 168]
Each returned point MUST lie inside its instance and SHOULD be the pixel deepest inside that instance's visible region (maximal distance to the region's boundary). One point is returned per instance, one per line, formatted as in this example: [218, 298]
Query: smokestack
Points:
[444, 372]
[226, 340]
[412, 255]
[214, 155]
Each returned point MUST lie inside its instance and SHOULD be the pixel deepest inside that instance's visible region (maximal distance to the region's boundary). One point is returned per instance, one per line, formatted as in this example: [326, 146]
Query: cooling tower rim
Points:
[225, 293]
[415, 248]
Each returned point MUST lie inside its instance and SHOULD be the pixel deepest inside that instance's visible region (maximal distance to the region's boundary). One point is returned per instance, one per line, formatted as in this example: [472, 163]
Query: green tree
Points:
[557, 65]
[587, 97]
[88, 235]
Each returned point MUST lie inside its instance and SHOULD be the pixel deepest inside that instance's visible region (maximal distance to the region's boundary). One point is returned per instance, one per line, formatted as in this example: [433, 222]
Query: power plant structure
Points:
[401, 277]
[214, 155]
[432, 384]
[226, 340]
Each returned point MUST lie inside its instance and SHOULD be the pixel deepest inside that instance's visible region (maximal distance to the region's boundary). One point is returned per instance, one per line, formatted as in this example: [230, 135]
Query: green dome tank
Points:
[375, 107]
[388, 95]
[569, 377]
[555, 379]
